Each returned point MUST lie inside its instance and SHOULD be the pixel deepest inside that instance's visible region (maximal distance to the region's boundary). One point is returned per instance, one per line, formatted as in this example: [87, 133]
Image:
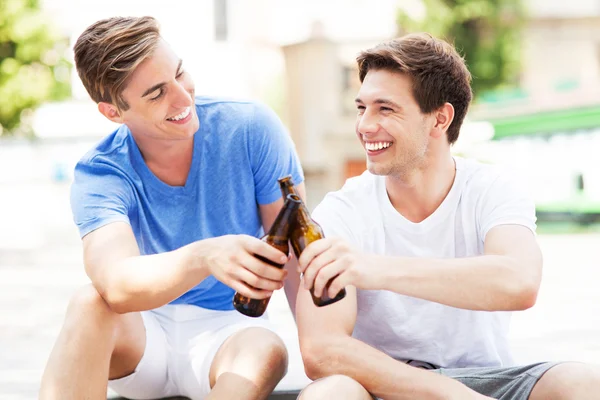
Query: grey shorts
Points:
[501, 383]
[506, 383]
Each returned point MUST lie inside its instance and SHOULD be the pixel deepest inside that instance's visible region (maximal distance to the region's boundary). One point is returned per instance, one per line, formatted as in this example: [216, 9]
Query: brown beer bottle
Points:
[304, 231]
[278, 237]
[286, 184]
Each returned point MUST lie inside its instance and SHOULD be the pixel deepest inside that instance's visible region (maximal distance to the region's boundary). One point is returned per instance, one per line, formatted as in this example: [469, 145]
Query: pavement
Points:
[40, 268]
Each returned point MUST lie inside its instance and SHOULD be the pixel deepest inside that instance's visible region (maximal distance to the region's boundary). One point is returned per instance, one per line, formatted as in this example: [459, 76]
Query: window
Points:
[354, 168]
[220, 8]
[350, 86]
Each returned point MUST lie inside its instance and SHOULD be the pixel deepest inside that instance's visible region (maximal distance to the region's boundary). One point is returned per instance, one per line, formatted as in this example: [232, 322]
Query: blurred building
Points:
[298, 57]
[548, 130]
[236, 48]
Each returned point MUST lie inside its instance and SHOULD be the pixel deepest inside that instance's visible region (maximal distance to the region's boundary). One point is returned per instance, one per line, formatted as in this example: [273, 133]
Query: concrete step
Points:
[275, 396]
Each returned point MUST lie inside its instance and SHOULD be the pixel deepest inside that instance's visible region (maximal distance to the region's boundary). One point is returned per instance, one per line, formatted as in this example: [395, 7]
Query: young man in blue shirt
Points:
[170, 207]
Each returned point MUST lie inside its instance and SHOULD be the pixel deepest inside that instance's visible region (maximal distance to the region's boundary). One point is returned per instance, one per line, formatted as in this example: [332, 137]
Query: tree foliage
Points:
[33, 68]
[486, 32]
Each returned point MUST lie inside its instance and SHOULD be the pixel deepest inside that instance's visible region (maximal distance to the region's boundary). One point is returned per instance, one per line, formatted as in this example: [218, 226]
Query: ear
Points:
[443, 118]
[110, 111]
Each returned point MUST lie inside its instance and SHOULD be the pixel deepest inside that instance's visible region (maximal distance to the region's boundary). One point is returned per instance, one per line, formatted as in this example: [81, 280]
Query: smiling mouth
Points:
[181, 116]
[376, 147]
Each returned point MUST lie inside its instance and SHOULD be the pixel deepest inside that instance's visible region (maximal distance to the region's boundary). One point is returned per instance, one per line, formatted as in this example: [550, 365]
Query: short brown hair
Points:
[107, 53]
[438, 73]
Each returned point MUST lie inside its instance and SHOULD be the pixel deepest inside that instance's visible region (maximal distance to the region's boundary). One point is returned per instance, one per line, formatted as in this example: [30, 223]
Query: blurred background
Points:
[536, 68]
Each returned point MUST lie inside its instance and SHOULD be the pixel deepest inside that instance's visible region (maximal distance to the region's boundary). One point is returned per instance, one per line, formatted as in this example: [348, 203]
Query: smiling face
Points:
[160, 95]
[390, 125]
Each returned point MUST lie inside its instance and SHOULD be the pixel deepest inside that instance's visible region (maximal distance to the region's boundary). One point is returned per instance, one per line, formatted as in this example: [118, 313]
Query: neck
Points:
[418, 193]
[169, 160]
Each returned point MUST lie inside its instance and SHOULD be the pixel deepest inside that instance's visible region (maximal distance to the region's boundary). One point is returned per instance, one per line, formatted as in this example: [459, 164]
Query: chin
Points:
[377, 169]
[191, 129]
[195, 122]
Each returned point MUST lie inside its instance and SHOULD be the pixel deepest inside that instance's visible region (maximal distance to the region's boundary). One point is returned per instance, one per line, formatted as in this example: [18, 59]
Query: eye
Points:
[386, 109]
[180, 74]
[361, 109]
[159, 95]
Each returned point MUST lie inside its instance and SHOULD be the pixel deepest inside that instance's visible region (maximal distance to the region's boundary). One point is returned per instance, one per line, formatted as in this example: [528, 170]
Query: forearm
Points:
[489, 282]
[147, 282]
[380, 374]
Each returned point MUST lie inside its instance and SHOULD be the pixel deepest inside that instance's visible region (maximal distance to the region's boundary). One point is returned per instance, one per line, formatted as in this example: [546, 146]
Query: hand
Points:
[332, 259]
[232, 260]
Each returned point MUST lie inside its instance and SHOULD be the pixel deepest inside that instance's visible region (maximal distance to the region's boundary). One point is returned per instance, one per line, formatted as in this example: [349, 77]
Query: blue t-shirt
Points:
[240, 150]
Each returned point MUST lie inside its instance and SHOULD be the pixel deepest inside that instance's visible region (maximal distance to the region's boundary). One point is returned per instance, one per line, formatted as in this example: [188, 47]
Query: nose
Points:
[367, 123]
[181, 95]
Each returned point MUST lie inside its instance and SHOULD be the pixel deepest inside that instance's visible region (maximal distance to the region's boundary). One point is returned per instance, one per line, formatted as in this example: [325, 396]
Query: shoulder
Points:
[345, 213]
[110, 159]
[498, 195]
[482, 179]
[358, 193]
[229, 108]
[112, 147]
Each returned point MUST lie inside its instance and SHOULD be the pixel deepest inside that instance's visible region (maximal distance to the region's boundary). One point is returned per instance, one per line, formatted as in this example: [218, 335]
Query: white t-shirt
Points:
[407, 328]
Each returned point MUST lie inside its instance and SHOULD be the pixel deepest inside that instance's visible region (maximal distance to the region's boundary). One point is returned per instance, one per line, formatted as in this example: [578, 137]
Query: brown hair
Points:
[107, 53]
[438, 73]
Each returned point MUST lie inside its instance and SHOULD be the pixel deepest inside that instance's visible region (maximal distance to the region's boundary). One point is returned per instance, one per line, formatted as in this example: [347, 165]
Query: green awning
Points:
[547, 122]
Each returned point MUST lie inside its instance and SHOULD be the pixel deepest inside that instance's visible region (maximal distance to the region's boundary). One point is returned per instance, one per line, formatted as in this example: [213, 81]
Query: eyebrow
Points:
[159, 85]
[380, 101]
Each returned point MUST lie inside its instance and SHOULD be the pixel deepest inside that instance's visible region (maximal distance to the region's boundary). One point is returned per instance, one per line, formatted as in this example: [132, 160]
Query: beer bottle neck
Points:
[283, 223]
[287, 189]
[286, 184]
[303, 217]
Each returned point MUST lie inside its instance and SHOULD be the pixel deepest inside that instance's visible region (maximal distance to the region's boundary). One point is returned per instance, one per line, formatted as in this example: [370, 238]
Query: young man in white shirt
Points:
[434, 252]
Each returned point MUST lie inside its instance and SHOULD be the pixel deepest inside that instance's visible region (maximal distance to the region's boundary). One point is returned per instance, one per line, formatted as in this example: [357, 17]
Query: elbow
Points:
[120, 307]
[116, 300]
[313, 357]
[318, 358]
[528, 296]
[526, 293]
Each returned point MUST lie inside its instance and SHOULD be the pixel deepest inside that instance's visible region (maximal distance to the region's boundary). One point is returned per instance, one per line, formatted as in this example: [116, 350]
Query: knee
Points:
[568, 381]
[269, 350]
[87, 305]
[334, 387]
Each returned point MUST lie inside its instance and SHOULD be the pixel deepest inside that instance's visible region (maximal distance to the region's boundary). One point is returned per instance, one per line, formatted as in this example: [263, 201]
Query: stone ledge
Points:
[275, 396]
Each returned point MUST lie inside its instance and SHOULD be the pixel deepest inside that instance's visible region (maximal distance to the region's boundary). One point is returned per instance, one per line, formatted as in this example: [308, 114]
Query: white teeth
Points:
[184, 114]
[374, 146]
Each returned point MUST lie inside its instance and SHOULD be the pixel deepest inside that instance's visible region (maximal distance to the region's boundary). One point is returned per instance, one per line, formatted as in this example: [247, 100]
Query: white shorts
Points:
[181, 342]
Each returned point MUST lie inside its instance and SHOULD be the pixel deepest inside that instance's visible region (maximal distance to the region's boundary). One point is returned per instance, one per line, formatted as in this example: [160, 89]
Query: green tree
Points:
[486, 32]
[33, 68]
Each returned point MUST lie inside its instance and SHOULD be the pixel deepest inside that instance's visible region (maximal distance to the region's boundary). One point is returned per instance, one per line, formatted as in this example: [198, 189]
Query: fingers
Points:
[325, 275]
[338, 283]
[250, 292]
[260, 282]
[315, 266]
[256, 246]
[313, 250]
[257, 266]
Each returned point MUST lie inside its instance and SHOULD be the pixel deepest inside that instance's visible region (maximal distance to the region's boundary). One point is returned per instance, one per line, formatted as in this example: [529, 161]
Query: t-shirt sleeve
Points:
[506, 202]
[99, 195]
[338, 218]
[272, 154]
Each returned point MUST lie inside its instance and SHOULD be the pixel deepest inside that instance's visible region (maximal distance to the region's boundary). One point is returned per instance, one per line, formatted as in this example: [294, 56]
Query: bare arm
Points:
[268, 214]
[328, 349]
[129, 281]
[506, 277]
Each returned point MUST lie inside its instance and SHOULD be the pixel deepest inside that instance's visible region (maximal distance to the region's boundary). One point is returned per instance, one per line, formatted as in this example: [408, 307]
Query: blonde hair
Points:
[108, 52]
